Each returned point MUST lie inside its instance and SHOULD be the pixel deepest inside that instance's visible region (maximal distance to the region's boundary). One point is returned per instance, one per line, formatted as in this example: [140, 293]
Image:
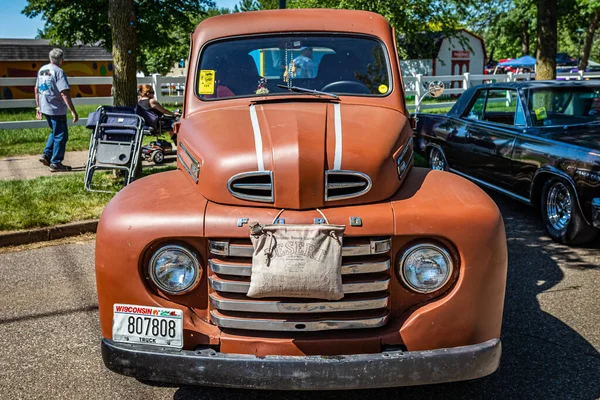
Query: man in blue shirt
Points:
[305, 66]
[52, 97]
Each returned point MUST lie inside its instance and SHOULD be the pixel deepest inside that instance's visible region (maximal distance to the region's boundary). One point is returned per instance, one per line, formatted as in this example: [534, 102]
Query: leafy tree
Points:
[547, 45]
[589, 10]
[159, 29]
[255, 5]
[269, 4]
[506, 26]
[410, 18]
[120, 15]
[247, 5]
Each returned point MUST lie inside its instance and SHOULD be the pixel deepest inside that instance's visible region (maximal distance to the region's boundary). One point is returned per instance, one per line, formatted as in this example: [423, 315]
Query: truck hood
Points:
[291, 145]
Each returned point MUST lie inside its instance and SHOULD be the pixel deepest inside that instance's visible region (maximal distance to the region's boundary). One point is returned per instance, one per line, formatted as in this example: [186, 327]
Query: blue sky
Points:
[16, 25]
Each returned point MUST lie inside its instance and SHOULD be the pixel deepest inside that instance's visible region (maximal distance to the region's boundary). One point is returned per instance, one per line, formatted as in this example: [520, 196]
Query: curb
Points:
[17, 238]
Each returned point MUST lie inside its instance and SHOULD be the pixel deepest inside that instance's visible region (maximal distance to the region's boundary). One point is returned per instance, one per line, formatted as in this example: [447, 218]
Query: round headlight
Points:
[174, 269]
[425, 268]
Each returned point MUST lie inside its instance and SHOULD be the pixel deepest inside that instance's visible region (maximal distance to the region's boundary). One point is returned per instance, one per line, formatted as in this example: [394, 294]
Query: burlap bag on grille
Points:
[296, 261]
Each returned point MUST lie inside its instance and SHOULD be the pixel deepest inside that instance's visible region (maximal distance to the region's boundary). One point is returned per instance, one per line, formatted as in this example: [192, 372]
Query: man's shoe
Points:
[44, 159]
[59, 167]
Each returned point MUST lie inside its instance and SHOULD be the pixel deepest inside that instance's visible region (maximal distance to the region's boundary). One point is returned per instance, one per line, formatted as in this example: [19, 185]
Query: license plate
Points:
[147, 325]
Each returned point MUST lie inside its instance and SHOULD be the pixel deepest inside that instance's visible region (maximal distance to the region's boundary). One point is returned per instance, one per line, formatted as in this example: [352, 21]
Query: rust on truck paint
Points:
[303, 139]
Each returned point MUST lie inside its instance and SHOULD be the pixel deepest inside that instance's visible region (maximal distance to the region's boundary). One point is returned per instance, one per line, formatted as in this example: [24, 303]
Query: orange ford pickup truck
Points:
[297, 118]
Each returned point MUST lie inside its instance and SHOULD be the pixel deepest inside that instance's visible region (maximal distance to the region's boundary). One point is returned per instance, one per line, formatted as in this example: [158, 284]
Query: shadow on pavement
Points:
[542, 356]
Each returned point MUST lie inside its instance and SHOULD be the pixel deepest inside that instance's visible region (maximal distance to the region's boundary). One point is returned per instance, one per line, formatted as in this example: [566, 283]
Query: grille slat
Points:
[225, 320]
[244, 268]
[365, 279]
[253, 186]
[296, 306]
[374, 246]
[235, 286]
[341, 185]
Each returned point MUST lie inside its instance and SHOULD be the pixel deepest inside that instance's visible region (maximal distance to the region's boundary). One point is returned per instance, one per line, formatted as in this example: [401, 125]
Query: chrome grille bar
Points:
[346, 185]
[264, 324]
[231, 286]
[366, 280]
[289, 307]
[342, 184]
[375, 246]
[348, 268]
[252, 186]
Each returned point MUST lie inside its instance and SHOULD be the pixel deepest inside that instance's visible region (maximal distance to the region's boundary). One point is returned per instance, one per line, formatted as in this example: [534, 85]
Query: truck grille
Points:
[253, 186]
[365, 279]
[340, 185]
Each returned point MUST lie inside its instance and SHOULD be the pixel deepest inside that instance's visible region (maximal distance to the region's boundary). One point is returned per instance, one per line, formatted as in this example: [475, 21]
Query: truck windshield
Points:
[273, 65]
[570, 105]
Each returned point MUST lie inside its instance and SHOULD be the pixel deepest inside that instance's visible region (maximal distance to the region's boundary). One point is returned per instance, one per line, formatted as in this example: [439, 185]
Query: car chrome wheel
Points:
[558, 206]
[159, 157]
[437, 160]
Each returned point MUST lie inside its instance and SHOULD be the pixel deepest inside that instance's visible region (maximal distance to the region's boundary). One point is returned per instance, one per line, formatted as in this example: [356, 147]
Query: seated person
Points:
[148, 102]
[304, 65]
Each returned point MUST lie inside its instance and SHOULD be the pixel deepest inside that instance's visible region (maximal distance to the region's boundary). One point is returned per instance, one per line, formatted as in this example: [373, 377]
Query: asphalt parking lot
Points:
[49, 330]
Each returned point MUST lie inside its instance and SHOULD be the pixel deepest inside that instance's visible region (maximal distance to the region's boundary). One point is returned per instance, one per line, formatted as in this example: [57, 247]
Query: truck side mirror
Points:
[435, 89]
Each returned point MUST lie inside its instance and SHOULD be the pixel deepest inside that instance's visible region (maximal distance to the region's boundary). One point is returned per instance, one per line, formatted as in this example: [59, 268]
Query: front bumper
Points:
[388, 369]
[596, 212]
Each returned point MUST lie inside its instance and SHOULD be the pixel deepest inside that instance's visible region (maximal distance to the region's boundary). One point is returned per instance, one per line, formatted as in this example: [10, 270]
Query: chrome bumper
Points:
[387, 369]
[596, 212]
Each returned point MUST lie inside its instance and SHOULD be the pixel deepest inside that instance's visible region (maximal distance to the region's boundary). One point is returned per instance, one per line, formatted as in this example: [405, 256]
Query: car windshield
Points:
[272, 65]
[570, 105]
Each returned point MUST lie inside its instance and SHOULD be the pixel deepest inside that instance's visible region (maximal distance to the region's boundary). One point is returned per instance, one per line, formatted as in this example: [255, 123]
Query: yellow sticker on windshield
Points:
[382, 89]
[540, 113]
[206, 83]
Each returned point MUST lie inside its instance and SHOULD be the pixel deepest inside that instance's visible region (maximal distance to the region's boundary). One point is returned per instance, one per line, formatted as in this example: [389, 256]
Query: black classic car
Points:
[538, 142]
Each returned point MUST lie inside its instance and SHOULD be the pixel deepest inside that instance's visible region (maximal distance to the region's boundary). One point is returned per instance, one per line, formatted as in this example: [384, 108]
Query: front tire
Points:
[158, 157]
[437, 160]
[561, 215]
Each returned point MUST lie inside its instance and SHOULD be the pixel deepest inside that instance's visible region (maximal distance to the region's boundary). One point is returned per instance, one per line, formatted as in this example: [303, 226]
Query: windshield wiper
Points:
[309, 91]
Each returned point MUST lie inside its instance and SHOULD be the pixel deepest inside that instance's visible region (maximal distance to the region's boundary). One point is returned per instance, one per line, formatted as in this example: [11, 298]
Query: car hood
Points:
[295, 143]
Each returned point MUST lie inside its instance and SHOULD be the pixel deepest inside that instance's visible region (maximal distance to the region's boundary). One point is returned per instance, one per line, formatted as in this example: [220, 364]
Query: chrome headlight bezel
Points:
[425, 246]
[195, 262]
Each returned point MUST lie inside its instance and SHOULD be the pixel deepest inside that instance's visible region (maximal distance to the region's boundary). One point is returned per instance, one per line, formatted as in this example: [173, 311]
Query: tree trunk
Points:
[121, 16]
[525, 38]
[546, 40]
[589, 38]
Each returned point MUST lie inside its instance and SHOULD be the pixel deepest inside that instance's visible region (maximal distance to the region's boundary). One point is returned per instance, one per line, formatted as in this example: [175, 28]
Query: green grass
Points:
[435, 110]
[53, 200]
[32, 141]
[420, 161]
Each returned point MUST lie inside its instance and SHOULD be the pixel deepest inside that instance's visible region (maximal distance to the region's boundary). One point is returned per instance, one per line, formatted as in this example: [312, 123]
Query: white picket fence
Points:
[168, 90]
[456, 84]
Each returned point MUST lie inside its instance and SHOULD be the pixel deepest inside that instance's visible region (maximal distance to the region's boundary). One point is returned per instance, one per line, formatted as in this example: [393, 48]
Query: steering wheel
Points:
[346, 87]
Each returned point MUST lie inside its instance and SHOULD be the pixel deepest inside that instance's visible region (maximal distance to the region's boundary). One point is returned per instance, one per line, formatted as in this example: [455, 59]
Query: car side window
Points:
[501, 107]
[520, 113]
[476, 111]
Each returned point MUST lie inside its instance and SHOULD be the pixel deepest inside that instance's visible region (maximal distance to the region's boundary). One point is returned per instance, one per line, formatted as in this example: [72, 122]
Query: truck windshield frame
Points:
[263, 63]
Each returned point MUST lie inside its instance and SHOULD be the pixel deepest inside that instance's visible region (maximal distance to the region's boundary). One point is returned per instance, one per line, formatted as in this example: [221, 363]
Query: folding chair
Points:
[115, 143]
